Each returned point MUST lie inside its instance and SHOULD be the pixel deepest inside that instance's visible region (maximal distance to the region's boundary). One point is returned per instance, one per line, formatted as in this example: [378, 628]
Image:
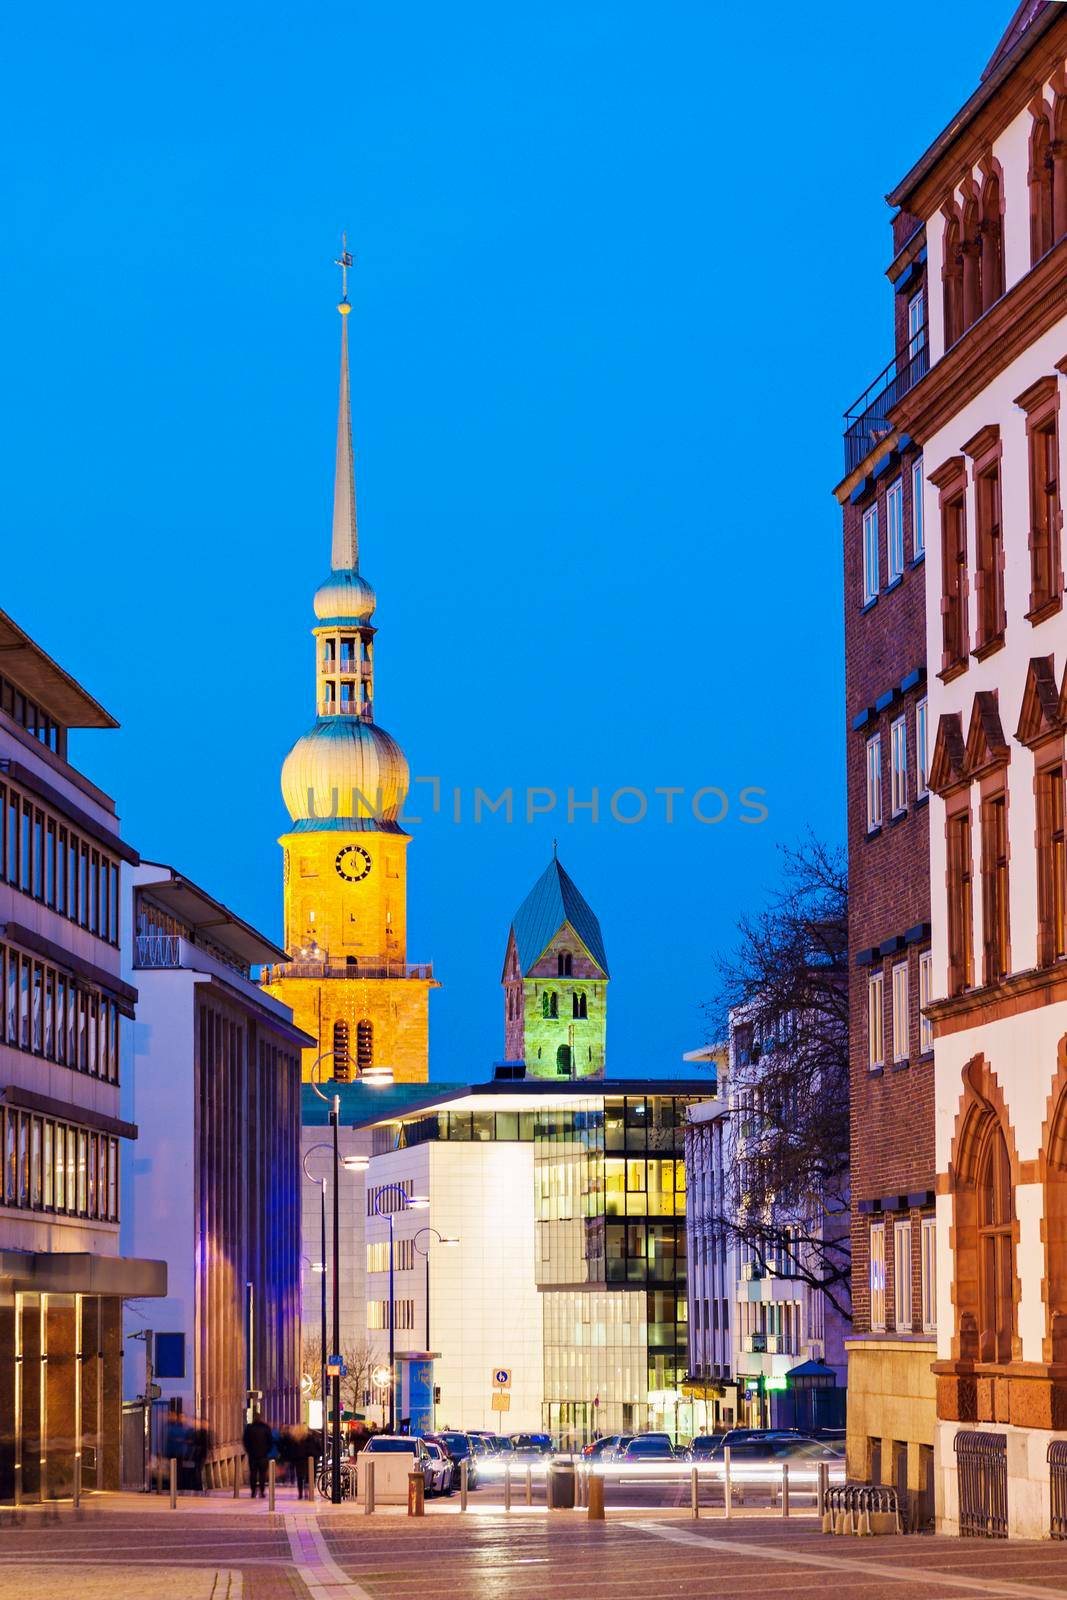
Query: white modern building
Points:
[561, 1303]
[213, 1082]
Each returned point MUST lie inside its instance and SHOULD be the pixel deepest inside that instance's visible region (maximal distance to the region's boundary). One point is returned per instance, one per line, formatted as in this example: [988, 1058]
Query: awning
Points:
[201, 912]
[75, 1272]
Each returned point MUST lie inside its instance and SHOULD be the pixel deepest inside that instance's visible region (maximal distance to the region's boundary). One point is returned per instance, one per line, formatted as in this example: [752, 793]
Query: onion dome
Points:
[345, 597]
[345, 772]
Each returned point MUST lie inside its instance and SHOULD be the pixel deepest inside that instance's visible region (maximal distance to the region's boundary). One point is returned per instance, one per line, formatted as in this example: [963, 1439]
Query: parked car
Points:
[649, 1447]
[704, 1446]
[598, 1449]
[458, 1448]
[435, 1474]
[617, 1448]
[530, 1445]
[445, 1476]
[772, 1446]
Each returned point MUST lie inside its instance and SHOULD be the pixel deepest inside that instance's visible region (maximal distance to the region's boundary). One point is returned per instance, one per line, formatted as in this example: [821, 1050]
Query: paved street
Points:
[122, 1550]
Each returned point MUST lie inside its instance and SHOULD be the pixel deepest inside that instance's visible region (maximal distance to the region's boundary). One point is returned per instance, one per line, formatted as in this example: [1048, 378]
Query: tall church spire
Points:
[345, 557]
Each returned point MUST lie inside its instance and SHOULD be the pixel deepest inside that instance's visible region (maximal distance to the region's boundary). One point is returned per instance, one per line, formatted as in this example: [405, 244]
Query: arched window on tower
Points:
[996, 1250]
[564, 963]
[550, 1003]
[580, 1005]
[342, 1067]
[564, 1065]
[364, 1044]
[1042, 207]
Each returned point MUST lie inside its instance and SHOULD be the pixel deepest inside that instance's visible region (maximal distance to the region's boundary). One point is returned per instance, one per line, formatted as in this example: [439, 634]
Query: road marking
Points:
[879, 1569]
[317, 1570]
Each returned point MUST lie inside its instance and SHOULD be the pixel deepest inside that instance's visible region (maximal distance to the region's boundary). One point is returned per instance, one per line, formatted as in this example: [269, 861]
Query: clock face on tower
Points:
[352, 863]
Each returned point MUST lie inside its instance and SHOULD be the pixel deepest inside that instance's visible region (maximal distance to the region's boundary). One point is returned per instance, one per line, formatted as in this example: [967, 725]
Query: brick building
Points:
[991, 195]
[890, 1386]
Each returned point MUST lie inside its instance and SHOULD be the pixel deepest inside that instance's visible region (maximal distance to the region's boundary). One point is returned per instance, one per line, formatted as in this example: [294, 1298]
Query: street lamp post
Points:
[380, 1076]
[322, 1298]
[425, 1252]
[407, 1203]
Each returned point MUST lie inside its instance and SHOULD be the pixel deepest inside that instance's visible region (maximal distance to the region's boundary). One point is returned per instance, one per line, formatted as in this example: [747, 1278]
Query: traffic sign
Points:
[501, 1400]
[502, 1377]
[335, 1368]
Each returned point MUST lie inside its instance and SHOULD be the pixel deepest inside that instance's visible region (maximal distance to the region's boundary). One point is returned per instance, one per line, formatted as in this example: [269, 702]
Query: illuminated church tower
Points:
[345, 856]
[555, 982]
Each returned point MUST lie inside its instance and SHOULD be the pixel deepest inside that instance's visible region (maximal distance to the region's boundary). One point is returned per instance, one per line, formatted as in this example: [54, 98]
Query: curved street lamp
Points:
[381, 1076]
[424, 1250]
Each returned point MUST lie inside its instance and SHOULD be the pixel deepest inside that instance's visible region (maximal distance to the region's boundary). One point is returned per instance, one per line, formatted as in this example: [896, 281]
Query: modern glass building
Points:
[606, 1233]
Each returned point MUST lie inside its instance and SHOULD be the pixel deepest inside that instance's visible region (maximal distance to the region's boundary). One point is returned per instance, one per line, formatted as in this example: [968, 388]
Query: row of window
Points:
[1041, 405]
[50, 1014]
[378, 1314]
[973, 254]
[550, 1004]
[30, 716]
[342, 1049]
[51, 1166]
[895, 534]
[46, 858]
[899, 783]
[900, 1012]
[403, 1255]
[383, 1197]
[903, 1309]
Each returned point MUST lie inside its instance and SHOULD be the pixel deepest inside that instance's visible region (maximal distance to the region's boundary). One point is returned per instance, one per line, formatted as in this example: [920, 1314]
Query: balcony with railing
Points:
[411, 971]
[867, 421]
[346, 708]
[346, 667]
[157, 950]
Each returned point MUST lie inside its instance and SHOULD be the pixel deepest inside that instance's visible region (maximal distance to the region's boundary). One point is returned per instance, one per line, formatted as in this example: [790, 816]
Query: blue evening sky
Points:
[620, 269]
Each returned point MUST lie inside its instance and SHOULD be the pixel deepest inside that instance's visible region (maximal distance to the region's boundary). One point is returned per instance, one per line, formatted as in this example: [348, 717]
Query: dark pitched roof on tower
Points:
[1026, 13]
[555, 899]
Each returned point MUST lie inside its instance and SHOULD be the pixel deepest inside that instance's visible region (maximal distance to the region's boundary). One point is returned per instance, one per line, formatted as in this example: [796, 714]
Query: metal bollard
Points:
[368, 1498]
[529, 1486]
[311, 1479]
[694, 1490]
[579, 1486]
[823, 1486]
[463, 1485]
[507, 1488]
[272, 1473]
[727, 1486]
[76, 1490]
[416, 1494]
[596, 1497]
[172, 1469]
[785, 1488]
[236, 1476]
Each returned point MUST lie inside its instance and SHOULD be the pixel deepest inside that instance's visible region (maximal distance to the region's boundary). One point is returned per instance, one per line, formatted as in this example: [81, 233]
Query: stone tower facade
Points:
[349, 981]
[555, 982]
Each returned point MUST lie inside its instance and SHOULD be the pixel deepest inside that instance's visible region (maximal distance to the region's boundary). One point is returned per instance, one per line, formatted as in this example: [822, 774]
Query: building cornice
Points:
[1029, 309]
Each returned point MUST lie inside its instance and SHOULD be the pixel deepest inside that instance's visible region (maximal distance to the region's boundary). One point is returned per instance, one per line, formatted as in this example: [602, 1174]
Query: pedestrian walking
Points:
[259, 1443]
[199, 1448]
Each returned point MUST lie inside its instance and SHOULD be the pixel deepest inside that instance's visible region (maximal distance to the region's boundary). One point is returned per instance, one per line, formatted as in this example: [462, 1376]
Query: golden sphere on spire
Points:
[344, 308]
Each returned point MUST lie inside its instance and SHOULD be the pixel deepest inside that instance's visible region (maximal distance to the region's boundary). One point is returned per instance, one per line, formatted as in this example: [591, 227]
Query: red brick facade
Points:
[892, 1104]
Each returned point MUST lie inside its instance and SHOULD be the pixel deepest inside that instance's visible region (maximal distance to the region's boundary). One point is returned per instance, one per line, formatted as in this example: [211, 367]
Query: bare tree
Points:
[360, 1358]
[782, 998]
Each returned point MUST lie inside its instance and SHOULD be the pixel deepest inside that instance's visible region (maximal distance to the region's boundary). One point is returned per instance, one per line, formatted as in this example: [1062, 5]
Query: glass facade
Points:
[609, 1251]
[610, 1215]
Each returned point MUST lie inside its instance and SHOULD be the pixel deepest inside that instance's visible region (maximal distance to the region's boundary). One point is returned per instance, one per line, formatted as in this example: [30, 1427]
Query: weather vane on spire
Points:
[344, 261]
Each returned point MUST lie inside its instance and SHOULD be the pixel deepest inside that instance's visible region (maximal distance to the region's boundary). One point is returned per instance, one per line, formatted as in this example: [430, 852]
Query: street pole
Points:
[392, 1336]
[322, 1318]
[427, 1303]
[335, 1482]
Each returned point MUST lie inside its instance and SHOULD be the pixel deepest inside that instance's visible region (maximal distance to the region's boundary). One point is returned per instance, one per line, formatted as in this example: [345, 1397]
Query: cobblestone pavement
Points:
[119, 1548]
